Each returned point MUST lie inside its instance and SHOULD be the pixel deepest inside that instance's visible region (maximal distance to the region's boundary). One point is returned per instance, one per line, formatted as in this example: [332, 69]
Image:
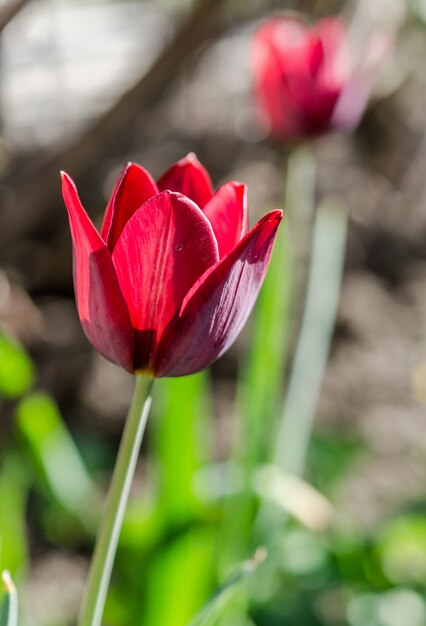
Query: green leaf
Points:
[16, 368]
[402, 550]
[262, 377]
[328, 254]
[13, 498]
[217, 604]
[9, 608]
[292, 440]
[180, 442]
[262, 374]
[261, 381]
[180, 578]
[56, 457]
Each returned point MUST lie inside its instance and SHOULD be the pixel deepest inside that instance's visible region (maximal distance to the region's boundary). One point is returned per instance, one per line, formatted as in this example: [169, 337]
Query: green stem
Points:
[106, 544]
[262, 374]
[325, 278]
[329, 247]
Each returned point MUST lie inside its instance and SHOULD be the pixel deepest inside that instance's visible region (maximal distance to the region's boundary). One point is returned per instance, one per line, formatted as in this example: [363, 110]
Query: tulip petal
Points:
[101, 306]
[331, 65]
[163, 250]
[334, 62]
[189, 178]
[227, 213]
[281, 70]
[299, 74]
[215, 310]
[134, 187]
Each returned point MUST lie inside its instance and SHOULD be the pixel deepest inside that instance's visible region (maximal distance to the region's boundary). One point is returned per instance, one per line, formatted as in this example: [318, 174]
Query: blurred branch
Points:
[8, 12]
[37, 190]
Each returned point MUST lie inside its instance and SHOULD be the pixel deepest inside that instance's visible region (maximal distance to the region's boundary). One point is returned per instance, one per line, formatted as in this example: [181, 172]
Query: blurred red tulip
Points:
[168, 283]
[305, 80]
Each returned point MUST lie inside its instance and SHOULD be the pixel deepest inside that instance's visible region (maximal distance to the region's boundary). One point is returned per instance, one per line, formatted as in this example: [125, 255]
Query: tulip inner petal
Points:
[134, 187]
[164, 248]
[227, 213]
[190, 178]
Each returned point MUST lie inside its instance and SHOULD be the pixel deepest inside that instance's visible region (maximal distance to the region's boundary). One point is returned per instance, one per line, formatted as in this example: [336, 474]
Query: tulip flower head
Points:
[306, 82]
[167, 284]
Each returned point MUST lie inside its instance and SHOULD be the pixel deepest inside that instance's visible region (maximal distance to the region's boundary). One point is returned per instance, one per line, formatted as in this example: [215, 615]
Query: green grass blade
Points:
[180, 442]
[9, 608]
[13, 499]
[262, 378]
[179, 578]
[217, 604]
[300, 212]
[328, 256]
[56, 457]
[16, 368]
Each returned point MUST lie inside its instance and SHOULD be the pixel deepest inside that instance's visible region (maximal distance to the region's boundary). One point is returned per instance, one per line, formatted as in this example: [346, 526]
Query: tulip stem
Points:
[325, 277]
[106, 544]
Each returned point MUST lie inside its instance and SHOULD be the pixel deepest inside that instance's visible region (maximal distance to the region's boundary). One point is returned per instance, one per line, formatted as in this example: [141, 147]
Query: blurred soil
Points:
[375, 385]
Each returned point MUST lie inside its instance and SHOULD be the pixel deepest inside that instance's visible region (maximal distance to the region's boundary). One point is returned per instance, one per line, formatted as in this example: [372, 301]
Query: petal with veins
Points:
[101, 306]
[215, 310]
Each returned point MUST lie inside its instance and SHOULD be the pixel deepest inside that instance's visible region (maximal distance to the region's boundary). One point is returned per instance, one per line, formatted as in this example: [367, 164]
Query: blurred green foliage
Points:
[9, 607]
[16, 369]
[167, 566]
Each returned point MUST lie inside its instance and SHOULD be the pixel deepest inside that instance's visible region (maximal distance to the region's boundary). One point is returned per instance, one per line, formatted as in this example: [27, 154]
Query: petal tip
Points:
[191, 157]
[131, 165]
[65, 177]
[67, 182]
[276, 215]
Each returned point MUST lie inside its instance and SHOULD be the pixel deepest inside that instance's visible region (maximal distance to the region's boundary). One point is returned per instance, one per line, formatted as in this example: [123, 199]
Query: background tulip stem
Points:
[322, 299]
[106, 544]
[263, 373]
[325, 277]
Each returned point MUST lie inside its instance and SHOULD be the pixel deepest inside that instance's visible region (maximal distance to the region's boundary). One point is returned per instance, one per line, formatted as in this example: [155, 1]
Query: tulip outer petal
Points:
[101, 306]
[228, 214]
[134, 186]
[217, 307]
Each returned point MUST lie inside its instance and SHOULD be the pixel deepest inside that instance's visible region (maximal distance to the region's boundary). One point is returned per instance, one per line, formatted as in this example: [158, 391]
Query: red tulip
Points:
[305, 79]
[167, 284]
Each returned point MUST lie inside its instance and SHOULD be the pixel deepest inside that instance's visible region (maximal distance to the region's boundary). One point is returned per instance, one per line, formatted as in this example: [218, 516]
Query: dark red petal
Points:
[281, 70]
[134, 187]
[163, 250]
[227, 213]
[101, 307]
[217, 307]
[190, 178]
[299, 74]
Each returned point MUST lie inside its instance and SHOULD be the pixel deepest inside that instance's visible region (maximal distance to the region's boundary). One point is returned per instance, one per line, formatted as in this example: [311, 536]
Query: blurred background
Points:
[87, 87]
